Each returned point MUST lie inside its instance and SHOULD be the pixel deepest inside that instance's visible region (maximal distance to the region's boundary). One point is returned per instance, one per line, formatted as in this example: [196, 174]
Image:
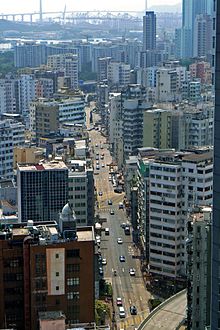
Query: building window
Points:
[72, 253]
[57, 255]
[73, 268]
[57, 288]
[73, 281]
[57, 274]
[73, 295]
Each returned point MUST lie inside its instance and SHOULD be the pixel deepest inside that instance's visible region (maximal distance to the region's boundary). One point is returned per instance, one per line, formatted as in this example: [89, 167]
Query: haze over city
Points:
[33, 5]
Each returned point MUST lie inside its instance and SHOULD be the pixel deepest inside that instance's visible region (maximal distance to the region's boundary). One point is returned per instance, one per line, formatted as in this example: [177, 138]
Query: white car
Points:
[104, 261]
[103, 165]
[119, 240]
[98, 239]
[121, 312]
[132, 272]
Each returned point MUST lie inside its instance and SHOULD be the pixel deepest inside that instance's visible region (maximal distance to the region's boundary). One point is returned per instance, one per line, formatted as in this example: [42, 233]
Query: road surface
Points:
[170, 316]
[130, 288]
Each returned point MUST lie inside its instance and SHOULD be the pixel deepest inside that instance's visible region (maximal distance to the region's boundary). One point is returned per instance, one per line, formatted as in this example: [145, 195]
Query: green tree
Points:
[101, 311]
[7, 63]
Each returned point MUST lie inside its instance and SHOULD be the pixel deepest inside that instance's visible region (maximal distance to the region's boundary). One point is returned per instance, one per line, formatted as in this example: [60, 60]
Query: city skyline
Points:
[48, 5]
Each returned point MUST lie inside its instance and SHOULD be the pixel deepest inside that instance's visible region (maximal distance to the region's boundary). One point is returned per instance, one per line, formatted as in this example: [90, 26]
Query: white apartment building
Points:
[11, 135]
[7, 96]
[68, 63]
[81, 192]
[119, 74]
[170, 185]
[147, 76]
[116, 127]
[26, 92]
[166, 85]
[126, 121]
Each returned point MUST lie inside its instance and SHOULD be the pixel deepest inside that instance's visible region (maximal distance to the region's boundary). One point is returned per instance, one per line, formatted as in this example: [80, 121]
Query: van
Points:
[121, 312]
[107, 231]
[120, 205]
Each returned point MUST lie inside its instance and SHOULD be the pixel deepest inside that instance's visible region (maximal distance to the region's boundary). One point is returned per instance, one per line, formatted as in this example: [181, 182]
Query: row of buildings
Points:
[133, 122]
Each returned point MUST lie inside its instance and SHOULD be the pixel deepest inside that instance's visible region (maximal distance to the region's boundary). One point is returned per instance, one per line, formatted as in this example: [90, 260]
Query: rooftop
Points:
[53, 165]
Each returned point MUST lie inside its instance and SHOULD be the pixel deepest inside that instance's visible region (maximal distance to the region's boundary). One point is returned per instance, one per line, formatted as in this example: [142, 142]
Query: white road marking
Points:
[141, 298]
[123, 270]
[130, 301]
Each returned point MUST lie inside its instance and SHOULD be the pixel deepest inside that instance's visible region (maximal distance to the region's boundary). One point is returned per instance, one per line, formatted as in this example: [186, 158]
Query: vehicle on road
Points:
[98, 239]
[122, 258]
[96, 145]
[107, 231]
[118, 190]
[109, 178]
[103, 165]
[133, 310]
[132, 272]
[100, 258]
[115, 272]
[127, 230]
[109, 202]
[121, 312]
[119, 240]
[102, 157]
[123, 225]
[120, 205]
[119, 301]
[97, 167]
[112, 212]
[101, 272]
[100, 193]
[104, 261]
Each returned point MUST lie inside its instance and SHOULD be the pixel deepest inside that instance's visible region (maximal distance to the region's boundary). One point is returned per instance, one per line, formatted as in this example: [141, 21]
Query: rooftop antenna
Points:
[145, 5]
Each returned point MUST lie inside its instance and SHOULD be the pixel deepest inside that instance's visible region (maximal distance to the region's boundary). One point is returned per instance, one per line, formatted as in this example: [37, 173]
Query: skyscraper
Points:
[149, 31]
[215, 293]
[190, 10]
[148, 53]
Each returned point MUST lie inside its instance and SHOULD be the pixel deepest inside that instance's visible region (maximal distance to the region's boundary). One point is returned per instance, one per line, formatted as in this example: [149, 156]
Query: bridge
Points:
[74, 15]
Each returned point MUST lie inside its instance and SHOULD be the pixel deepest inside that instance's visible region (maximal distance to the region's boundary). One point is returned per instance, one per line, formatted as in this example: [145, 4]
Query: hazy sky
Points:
[13, 6]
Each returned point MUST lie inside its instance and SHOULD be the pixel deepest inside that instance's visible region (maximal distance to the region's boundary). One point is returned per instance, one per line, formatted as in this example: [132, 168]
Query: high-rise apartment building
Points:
[190, 10]
[198, 247]
[44, 119]
[12, 134]
[45, 270]
[118, 74]
[81, 192]
[170, 185]
[69, 63]
[7, 96]
[157, 128]
[202, 44]
[46, 115]
[42, 190]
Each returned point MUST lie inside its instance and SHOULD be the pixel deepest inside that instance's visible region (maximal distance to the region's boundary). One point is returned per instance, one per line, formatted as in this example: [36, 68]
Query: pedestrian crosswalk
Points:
[131, 321]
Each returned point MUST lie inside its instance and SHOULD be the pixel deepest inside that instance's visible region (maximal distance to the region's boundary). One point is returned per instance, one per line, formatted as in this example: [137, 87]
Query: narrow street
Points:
[130, 288]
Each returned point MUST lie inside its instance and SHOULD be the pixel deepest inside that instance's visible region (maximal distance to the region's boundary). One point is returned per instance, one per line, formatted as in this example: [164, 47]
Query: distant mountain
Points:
[167, 8]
